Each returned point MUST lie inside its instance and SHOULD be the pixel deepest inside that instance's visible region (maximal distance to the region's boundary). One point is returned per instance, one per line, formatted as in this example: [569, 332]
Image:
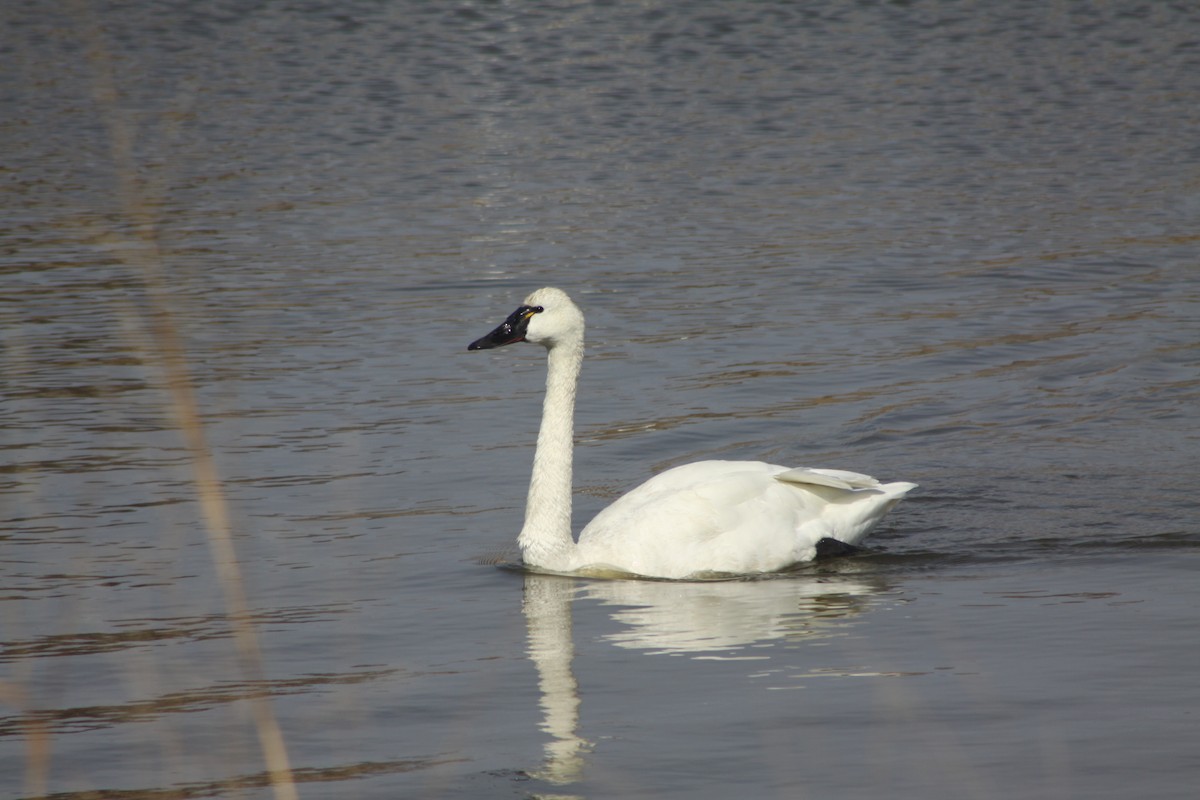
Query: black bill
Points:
[511, 330]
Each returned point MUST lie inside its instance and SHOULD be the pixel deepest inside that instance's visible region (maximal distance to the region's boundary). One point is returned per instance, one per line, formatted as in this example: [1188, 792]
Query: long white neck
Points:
[545, 539]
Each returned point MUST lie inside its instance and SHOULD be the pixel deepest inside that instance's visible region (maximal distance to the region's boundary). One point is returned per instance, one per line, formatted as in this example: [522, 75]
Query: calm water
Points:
[950, 243]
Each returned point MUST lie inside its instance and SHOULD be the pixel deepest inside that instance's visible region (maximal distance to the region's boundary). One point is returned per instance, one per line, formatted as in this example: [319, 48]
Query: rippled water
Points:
[939, 242]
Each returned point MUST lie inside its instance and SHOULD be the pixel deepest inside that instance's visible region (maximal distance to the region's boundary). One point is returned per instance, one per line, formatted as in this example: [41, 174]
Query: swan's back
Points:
[732, 517]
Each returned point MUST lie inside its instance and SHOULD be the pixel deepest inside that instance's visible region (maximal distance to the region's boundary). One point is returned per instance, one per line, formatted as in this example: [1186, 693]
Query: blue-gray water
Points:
[951, 243]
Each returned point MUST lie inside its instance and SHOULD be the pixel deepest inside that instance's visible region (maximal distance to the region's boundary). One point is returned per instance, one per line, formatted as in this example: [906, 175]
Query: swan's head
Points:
[547, 317]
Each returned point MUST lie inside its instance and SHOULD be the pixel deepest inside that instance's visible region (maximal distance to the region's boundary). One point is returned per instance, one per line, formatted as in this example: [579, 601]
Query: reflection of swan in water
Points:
[669, 617]
[715, 618]
[547, 608]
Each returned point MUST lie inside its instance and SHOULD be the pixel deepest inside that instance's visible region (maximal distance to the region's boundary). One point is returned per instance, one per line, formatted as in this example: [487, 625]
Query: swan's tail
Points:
[856, 503]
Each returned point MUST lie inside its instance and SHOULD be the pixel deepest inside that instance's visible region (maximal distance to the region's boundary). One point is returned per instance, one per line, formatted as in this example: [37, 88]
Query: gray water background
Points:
[947, 242]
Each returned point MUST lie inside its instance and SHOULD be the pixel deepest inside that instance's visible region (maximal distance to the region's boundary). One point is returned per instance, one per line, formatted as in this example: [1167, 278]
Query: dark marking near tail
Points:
[832, 548]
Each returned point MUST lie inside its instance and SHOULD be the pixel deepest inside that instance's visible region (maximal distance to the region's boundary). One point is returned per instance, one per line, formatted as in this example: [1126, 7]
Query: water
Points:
[947, 243]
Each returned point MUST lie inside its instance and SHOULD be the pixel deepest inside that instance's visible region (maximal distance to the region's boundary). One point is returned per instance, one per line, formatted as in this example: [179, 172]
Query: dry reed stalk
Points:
[37, 765]
[142, 251]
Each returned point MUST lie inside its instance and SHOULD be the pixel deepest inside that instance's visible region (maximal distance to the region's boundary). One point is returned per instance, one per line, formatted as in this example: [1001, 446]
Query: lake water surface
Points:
[951, 243]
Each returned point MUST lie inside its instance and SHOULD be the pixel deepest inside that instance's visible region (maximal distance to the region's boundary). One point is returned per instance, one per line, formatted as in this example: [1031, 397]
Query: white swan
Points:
[698, 520]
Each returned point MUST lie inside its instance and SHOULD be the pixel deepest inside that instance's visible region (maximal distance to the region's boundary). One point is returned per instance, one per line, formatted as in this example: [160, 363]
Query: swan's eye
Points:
[538, 309]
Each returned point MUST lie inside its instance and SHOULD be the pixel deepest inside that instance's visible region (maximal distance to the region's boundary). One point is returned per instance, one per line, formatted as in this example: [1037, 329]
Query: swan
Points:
[705, 519]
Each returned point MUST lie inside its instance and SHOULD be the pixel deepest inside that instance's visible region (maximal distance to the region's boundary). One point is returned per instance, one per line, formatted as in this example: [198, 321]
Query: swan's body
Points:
[701, 519]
